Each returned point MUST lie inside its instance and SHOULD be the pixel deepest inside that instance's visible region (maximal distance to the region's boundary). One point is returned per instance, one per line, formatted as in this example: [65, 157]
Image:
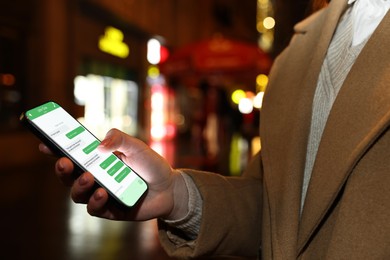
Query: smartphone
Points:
[62, 133]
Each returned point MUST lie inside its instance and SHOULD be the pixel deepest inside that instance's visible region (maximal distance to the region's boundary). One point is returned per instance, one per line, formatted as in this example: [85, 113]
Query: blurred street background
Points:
[186, 77]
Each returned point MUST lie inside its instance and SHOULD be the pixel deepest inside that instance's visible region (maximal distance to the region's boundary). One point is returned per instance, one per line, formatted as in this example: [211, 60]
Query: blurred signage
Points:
[112, 42]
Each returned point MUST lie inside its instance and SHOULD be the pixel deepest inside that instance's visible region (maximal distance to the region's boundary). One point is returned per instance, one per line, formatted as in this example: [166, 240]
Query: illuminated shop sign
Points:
[112, 42]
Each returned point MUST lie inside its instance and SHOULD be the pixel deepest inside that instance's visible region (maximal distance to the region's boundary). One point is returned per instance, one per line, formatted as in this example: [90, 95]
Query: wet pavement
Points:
[39, 221]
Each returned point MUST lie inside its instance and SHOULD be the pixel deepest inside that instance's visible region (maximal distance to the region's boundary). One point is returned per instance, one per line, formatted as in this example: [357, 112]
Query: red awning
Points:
[217, 55]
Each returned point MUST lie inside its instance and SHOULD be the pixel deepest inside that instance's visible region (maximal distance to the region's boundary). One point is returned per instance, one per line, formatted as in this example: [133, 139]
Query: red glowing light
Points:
[164, 53]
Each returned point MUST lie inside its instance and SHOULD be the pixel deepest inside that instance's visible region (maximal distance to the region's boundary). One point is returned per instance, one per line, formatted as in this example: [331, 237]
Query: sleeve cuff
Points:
[190, 224]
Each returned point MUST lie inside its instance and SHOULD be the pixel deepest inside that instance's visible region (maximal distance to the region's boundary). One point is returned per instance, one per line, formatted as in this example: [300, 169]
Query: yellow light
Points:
[262, 82]
[153, 72]
[269, 23]
[256, 145]
[112, 42]
[263, 3]
[260, 27]
[266, 40]
[237, 95]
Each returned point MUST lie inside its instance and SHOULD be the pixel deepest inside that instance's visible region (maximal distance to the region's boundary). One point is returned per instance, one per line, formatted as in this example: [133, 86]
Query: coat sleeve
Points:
[231, 215]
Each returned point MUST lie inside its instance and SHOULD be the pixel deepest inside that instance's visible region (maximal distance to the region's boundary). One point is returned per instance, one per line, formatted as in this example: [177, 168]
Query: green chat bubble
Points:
[91, 147]
[107, 162]
[72, 134]
[122, 174]
[115, 168]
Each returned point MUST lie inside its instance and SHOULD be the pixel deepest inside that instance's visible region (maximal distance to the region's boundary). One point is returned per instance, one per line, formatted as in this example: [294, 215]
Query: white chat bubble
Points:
[59, 131]
[76, 144]
[91, 160]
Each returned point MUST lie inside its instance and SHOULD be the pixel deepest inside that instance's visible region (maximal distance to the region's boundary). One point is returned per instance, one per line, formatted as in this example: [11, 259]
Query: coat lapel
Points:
[285, 141]
[359, 115]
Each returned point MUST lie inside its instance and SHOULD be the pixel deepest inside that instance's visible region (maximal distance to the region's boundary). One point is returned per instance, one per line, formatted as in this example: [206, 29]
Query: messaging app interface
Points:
[69, 134]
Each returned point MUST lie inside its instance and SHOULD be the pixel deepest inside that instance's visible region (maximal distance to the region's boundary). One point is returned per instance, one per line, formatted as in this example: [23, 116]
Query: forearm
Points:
[230, 218]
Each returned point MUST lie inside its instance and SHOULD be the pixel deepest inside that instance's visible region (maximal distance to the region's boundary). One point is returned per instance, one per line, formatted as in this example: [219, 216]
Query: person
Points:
[319, 187]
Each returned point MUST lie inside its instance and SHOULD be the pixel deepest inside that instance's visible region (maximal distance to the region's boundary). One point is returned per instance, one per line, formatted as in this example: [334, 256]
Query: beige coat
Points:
[347, 209]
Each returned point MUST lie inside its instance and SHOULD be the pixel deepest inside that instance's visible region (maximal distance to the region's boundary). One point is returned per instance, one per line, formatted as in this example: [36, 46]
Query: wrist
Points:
[180, 198]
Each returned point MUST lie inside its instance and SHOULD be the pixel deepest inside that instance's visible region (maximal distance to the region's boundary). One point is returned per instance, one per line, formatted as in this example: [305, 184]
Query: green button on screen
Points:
[91, 147]
[107, 162]
[122, 174]
[72, 134]
[115, 168]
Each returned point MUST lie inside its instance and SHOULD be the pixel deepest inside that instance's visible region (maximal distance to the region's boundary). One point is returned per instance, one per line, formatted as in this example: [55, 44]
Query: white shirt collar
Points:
[380, 2]
[366, 15]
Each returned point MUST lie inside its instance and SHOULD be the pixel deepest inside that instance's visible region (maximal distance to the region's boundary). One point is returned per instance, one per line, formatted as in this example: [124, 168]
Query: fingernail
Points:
[98, 195]
[60, 165]
[104, 142]
[83, 180]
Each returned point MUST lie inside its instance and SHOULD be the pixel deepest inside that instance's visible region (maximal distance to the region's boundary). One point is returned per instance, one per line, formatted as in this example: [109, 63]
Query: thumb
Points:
[116, 140]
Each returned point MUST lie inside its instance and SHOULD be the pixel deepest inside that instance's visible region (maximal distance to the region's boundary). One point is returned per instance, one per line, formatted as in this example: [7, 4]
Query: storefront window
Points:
[108, 103]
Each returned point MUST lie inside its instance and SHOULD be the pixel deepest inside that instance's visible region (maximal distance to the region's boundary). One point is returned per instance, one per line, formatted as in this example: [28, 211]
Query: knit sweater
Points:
[339, 59]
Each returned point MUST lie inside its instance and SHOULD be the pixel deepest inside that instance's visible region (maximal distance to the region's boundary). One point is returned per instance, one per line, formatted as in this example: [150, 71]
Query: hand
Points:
[167, 196]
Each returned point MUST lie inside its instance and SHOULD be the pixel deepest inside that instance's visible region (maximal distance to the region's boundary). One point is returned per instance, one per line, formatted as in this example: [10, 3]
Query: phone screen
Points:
[81, 146]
